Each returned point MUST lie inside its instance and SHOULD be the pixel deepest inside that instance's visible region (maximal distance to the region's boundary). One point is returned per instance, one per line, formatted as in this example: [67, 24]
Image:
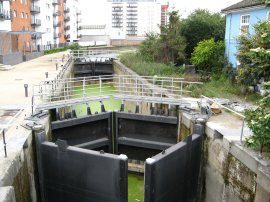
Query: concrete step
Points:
[5, 67]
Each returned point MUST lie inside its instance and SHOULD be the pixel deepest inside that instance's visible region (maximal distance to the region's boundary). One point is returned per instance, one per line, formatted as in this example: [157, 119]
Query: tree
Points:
[201, 25]
[149, 49]
[254, 55]
[168, 46]
[208, 56]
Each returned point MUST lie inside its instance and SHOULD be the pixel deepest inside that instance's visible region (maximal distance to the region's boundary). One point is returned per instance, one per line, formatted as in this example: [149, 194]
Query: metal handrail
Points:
[233, 111]
[50, 91]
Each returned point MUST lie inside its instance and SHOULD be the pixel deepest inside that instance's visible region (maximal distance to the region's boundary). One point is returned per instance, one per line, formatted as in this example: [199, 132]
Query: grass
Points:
[135, 188]
[110, 104]
[219, 86]
[136, 63]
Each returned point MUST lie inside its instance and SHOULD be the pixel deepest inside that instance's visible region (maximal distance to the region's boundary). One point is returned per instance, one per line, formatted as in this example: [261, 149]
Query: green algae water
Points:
[107, 89]
[135, 187]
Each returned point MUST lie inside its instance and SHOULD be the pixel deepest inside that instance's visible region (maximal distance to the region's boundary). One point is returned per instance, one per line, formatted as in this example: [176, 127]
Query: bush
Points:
[74, 46]
[208, 56]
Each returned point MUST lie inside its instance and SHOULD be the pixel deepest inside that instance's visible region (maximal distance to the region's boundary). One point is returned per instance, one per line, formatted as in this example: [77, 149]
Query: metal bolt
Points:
[26, 90]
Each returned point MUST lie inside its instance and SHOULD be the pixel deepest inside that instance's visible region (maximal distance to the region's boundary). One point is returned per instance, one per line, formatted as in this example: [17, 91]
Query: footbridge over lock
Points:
[93, 62]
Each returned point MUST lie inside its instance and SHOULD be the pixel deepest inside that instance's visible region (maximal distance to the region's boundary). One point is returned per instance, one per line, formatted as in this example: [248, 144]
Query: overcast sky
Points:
[94, 11]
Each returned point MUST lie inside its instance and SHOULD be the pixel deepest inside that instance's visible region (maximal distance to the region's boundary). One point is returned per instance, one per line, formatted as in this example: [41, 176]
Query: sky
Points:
[94, 11]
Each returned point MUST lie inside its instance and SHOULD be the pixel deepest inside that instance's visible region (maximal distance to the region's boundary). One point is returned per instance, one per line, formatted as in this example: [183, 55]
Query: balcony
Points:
[5, 15]
[34, 9]
[67, 36]
[67, 28]
[56, 24]
[56, 2]
[56, 35]
[67, 18]
[35, 22]
[66, 10]
[36, 36]
[56, 13]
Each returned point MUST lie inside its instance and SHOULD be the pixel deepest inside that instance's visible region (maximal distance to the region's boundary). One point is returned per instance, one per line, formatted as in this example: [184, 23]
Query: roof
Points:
[244, 4]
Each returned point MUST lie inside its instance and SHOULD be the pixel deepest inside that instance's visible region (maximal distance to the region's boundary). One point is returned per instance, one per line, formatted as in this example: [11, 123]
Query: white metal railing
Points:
[5, 127]
[72, 91]
[82, 54]
[234, 112]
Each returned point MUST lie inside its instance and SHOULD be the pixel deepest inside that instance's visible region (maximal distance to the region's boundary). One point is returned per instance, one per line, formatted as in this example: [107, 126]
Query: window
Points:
[28, 44]
[21, 1]
[14, 13]
[26, 2]
[244, 25]
[22, 14]
[268, 15]
[26, 15]
[48, 18]
[48, 30]
[27, 28]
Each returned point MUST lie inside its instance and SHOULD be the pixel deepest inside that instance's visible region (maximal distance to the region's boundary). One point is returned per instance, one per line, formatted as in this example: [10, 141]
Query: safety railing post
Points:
[4, 142]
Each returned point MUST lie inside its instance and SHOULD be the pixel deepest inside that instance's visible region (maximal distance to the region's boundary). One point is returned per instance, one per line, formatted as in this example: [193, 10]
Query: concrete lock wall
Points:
[231, 172]
[144, 107]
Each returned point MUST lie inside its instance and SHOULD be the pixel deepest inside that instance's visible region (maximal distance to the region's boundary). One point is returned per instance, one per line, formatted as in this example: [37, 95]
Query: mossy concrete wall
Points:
[231, 172]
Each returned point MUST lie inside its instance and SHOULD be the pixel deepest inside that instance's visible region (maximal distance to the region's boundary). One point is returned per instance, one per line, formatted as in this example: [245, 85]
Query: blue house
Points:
[240, 19]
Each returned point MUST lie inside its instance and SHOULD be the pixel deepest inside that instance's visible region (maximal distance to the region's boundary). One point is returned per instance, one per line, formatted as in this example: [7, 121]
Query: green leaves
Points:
[254, 55]
[258, 120]
[209, 56]
[201, 25]
[167, 47]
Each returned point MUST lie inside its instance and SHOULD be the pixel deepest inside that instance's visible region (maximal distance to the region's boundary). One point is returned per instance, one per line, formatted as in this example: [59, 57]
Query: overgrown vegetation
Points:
[258, 120]
[208, 56]
[137, 63]
[254, 55]
[202, 25]
[166, 47]
[74, 46]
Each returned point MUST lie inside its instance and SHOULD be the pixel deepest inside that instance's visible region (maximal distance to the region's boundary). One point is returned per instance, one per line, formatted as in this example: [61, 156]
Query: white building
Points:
[72, 20]
[133, 18]
[5, 17]
[42, 22]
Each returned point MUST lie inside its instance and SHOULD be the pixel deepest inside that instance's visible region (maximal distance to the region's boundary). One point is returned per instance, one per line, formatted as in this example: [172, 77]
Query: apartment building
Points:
[133, 18]
[5, 15]
[21, 24]
[5, 26]
[72, 20]
[40, 24]
[164, 14]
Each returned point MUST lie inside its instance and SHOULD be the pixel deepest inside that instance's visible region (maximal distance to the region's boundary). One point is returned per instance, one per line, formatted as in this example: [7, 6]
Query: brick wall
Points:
[22, 19]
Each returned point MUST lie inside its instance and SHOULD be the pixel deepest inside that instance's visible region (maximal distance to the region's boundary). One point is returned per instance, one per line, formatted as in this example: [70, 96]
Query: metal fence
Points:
[72, 91]
[83, 54]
